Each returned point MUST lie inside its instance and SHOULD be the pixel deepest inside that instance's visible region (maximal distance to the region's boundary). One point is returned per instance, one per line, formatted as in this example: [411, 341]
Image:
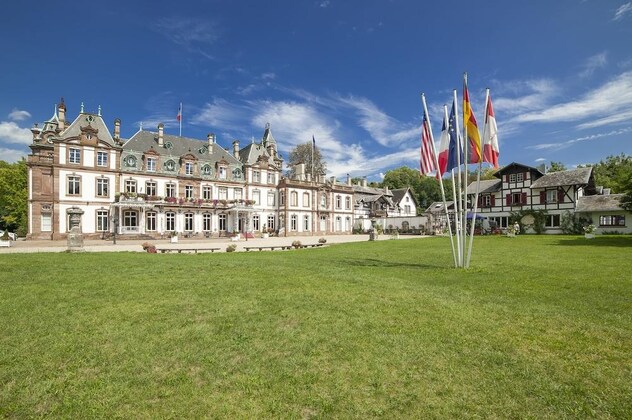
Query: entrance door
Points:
[323, 223]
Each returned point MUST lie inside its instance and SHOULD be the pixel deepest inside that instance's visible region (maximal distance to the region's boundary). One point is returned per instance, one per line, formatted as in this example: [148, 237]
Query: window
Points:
[323, 201]
[614, 220]
[256, 197]
[151, 164]
[207, 192]
[150, 188]
[130, 186]
[512, 177]
[222, 222]
[306, 223]
[238, 193]
[206, 170]
[270, 178]
[294, 199]
[256, 176]
[338, 223]
[237, 173]
[170, 190]
[407, 209]
[171, 221]
[102, 159]
[255, 222]
[552, 220]
[188, 191]
[188, 168]
[305, 199]
[517, 199]
[103, 187]
[271, 221]
[130, 161]
[170, 165]
[293, 222]
[348, 203]
[501, 221]
[519, 177]
[206, 222]
[102, 221]
[74, 185]
[347, 224]
[188, 222]
[130, 219]
[551, 196]
[222, 172]
[47, 222]
[281, 198]
[223, 193]
[338, 202]
[486, 200]
[150, 221]
[270, 198]
[74, 155]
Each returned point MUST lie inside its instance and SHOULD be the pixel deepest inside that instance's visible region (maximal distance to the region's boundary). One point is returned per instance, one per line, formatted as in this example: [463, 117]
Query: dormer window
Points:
[170, 165]
[237, 174]
[206, 170]
[151, 164]
[130, 161]
[222, 172]
[188, 168]
[512, 177]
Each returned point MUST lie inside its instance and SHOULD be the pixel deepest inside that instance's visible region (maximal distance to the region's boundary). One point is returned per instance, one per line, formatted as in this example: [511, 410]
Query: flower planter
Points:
[173, 239]
[589, 235]
[265, 235]
[5, 243]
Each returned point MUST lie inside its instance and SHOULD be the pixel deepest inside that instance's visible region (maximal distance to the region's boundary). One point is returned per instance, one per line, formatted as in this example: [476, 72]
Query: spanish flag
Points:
[469, 122]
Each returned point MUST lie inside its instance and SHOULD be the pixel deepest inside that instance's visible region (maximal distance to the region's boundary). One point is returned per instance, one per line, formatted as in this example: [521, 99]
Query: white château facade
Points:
[155, 184]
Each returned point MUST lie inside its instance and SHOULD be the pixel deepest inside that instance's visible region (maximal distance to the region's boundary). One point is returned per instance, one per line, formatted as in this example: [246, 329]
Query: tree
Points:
[614, 173]
[14, 197]
[302, 153]
[556, 167]
[426, 189]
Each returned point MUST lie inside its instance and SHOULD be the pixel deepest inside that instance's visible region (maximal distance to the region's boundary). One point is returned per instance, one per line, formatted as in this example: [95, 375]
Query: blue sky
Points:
[348, 72]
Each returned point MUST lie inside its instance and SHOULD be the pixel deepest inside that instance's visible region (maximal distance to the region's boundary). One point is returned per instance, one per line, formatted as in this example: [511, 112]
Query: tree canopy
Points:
[556, 167]
[426, 189]
[302, 153]
[13, 197]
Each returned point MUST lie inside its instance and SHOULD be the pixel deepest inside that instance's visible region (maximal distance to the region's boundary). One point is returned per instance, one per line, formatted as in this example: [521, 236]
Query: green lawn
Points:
[540, 327]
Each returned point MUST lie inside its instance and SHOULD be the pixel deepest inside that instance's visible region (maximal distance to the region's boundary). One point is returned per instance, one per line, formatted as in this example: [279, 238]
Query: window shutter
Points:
[507, 178]
[560, 195]
[508, 199]
[480, 201]
[493, 202]
[526, 175]
[524, 198]
[542, 197]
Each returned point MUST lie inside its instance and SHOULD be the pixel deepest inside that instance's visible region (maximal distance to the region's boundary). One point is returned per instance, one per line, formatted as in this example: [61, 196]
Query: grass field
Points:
[540, 326]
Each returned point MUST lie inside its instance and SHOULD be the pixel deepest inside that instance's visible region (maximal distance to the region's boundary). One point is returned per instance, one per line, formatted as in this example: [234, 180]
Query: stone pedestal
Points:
[75, 236]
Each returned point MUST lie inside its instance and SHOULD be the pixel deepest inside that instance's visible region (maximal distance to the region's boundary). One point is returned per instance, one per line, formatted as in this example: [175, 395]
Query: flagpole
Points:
[313, 144]
[180, 119]
[478, 188]
[439, 175]
[461, 158]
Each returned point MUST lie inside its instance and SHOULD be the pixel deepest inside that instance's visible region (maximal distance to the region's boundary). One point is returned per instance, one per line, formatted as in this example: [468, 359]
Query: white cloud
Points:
[195, 35]
[569, 143]
[324, 4]
[593, 63]
[614, 96]
[538, 93]
[12, 155]
[10, 132]
[540, 160]
[19, 115]
[622, 11]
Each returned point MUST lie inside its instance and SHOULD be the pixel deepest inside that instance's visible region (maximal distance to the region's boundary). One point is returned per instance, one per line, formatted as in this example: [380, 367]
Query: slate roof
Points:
[579, 176]
[144, 140]
[85, 119]
[249, 154]
[437, 207]
[595, 203]
[487, 186]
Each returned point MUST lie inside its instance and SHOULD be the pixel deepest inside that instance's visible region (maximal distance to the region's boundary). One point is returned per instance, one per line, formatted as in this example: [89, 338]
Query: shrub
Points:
[297, 244]
[322, 241]
[231, 248]
[150, 248]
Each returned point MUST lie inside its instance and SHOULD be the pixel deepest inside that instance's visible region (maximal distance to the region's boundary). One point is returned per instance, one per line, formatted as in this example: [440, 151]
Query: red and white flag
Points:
[427, 161]
[490, 136]
[179, 116]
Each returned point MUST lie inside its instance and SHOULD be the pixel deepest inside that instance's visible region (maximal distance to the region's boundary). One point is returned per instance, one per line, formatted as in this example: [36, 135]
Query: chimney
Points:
[210, 138]
[364, 184]
[161, 134]
[308, 177]
[349, 179]
[300, 171]
[117, 128]
[333, 180]
[236, 148]
[386, 191]
[61, 114]
[36, 133]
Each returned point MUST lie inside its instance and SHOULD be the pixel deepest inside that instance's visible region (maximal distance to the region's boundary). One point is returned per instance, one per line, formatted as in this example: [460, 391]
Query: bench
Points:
[271, 248]
[186, 250]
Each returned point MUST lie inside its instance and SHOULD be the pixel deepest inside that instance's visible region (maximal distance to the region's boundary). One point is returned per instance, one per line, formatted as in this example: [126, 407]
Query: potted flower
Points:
[589, 231]
[5, 239]
[173, 237]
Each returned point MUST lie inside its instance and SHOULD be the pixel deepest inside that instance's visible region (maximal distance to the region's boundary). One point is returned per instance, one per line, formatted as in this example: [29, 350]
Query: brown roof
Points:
[594, 203]
[579, 176]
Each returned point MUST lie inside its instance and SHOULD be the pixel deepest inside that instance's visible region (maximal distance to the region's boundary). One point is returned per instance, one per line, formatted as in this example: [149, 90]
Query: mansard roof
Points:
[579, 176]
[93, 121]
[250, 154]
[145, 140]
[593, 203]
